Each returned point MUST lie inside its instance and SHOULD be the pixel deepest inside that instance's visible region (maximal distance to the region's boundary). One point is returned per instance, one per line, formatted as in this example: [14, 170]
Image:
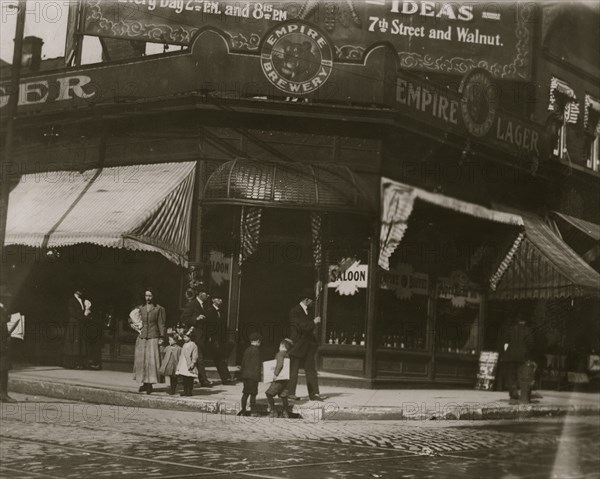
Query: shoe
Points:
[285, 414]
[149, 389]
[95, 367]
[317, 397]
[7, 399]
[142, 388]
[206, 384]
[293, 397]
[228, 382]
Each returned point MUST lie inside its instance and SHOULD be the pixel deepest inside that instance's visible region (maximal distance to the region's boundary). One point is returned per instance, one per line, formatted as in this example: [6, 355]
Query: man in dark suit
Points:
[75, 348]
[519, 341]
[195, 315]
[219, 347]
[303, 334]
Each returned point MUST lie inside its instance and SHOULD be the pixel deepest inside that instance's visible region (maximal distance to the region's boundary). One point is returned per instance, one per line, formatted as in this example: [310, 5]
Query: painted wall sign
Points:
[348, 281]
[296, 57]
[471, 112]
[449, 37]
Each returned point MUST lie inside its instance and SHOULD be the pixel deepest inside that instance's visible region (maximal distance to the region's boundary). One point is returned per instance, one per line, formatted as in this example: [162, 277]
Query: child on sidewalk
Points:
[186, 367]
[168, 367]
[251, 369]
[279, 387]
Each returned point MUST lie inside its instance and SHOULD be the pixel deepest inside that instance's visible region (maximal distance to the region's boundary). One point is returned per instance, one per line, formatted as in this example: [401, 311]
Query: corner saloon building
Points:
[417, 207]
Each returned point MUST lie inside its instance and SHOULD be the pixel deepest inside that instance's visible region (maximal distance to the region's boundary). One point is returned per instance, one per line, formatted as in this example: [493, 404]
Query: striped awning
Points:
[138, 207]
[398, 201]
[586, 227]
[546, 267]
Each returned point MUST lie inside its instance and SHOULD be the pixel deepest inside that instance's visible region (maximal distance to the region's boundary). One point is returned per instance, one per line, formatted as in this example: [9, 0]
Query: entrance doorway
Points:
[274, 277]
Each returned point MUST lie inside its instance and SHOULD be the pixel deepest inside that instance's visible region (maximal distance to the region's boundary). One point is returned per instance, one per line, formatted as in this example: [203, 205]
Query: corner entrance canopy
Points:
[398, 201]
[544, 266]
[287, 184]
[139, 207]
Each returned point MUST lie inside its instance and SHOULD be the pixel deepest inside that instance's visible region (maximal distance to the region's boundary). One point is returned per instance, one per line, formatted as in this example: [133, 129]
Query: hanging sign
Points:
[458, 289]
[220, 267]
[404, 282]
[348, 281]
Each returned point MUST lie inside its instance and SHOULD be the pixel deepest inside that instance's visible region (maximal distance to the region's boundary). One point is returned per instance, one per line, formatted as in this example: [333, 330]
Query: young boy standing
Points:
[251, 369]
[279, 387]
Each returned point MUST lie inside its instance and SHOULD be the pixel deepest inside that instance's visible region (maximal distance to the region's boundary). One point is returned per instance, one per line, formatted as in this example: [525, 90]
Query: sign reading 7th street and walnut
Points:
[448, 37]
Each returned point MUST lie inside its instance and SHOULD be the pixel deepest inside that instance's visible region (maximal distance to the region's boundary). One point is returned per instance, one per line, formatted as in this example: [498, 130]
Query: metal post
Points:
[11, 110]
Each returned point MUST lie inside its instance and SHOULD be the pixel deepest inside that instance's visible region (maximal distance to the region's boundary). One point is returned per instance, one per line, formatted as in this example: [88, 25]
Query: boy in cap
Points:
[251, 369]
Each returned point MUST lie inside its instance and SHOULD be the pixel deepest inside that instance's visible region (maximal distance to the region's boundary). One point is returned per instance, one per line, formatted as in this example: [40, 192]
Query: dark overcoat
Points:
[302, 332]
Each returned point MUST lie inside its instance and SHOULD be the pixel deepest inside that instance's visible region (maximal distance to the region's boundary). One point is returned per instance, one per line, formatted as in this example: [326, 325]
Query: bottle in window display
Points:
[363, 340]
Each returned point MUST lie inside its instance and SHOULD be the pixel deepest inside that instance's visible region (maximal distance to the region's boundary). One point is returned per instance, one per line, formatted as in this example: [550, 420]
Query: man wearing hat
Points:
[219, 346]
[76, 350]
[303, 335]
[195, 315]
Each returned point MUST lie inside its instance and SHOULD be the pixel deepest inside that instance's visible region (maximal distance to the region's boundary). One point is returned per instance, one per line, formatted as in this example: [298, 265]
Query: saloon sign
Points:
[347, 281]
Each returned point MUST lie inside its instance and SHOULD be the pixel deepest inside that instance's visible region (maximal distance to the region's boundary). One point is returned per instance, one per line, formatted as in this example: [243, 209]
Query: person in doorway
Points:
[303, 335]
[170, 361]
[251, 370]
[75, 350]
[219, 347]
[279, 386]
[4, 355]
[187, 367]
[518, 343]
[195, 316]
[147, 354]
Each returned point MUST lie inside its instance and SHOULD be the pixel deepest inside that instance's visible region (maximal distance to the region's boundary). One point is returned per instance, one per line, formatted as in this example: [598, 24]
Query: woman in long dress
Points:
[147, 355]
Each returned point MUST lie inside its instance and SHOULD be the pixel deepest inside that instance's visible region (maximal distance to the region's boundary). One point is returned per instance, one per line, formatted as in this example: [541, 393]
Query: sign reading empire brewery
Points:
[451, 37]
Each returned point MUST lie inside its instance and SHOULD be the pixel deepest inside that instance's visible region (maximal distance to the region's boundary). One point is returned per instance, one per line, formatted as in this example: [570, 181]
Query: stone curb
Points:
[327, 411]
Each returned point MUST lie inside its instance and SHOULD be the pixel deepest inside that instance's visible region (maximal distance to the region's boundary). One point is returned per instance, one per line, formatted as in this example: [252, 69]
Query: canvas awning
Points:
[138, 207]
[544, 266]
[398, 201]
[586, 227]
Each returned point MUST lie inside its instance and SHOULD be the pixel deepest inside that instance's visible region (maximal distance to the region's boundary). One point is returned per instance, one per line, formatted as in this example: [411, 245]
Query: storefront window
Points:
[457, 327]
[402, 322]
[346, 318]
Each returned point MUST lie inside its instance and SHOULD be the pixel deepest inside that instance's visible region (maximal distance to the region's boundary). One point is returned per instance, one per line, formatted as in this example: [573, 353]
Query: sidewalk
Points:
[343, 403]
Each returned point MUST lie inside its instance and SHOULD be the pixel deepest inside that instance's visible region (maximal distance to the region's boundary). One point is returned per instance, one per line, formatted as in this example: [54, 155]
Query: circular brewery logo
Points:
[296, 57]
[479, 101]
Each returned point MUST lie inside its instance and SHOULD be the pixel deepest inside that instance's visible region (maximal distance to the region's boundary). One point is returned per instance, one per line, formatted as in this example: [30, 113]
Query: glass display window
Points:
[402, 323]
[457, 327]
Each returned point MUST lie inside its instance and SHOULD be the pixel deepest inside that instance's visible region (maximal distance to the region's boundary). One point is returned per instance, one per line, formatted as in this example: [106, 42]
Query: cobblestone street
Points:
[46, 438]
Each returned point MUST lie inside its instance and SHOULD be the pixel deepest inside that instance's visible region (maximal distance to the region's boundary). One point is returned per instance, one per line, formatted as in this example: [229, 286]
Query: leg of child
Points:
[253, 403]
[244, 402]
[284, 400]
[173, 379]
[190, 386]
[184, 386]
[271, 401]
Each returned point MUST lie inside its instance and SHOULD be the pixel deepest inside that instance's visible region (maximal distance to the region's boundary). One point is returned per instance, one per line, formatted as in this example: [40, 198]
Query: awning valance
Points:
[398, 201]
[139, 207]
[546, 267]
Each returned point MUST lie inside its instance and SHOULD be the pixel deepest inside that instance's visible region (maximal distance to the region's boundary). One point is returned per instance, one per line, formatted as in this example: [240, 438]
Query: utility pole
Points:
[11, 112]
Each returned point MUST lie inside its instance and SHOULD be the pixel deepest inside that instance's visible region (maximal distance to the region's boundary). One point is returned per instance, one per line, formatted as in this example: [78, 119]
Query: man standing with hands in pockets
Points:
[303, 334]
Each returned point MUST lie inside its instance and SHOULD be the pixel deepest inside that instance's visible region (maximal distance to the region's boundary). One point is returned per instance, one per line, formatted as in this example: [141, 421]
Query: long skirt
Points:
[147, 361]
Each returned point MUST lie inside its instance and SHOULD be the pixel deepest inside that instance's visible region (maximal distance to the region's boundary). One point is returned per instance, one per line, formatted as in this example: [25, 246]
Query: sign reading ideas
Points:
[448, 37]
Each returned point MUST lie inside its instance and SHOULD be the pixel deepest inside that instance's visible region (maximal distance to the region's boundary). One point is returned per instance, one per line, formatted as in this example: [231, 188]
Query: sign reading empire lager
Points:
[450, 37]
